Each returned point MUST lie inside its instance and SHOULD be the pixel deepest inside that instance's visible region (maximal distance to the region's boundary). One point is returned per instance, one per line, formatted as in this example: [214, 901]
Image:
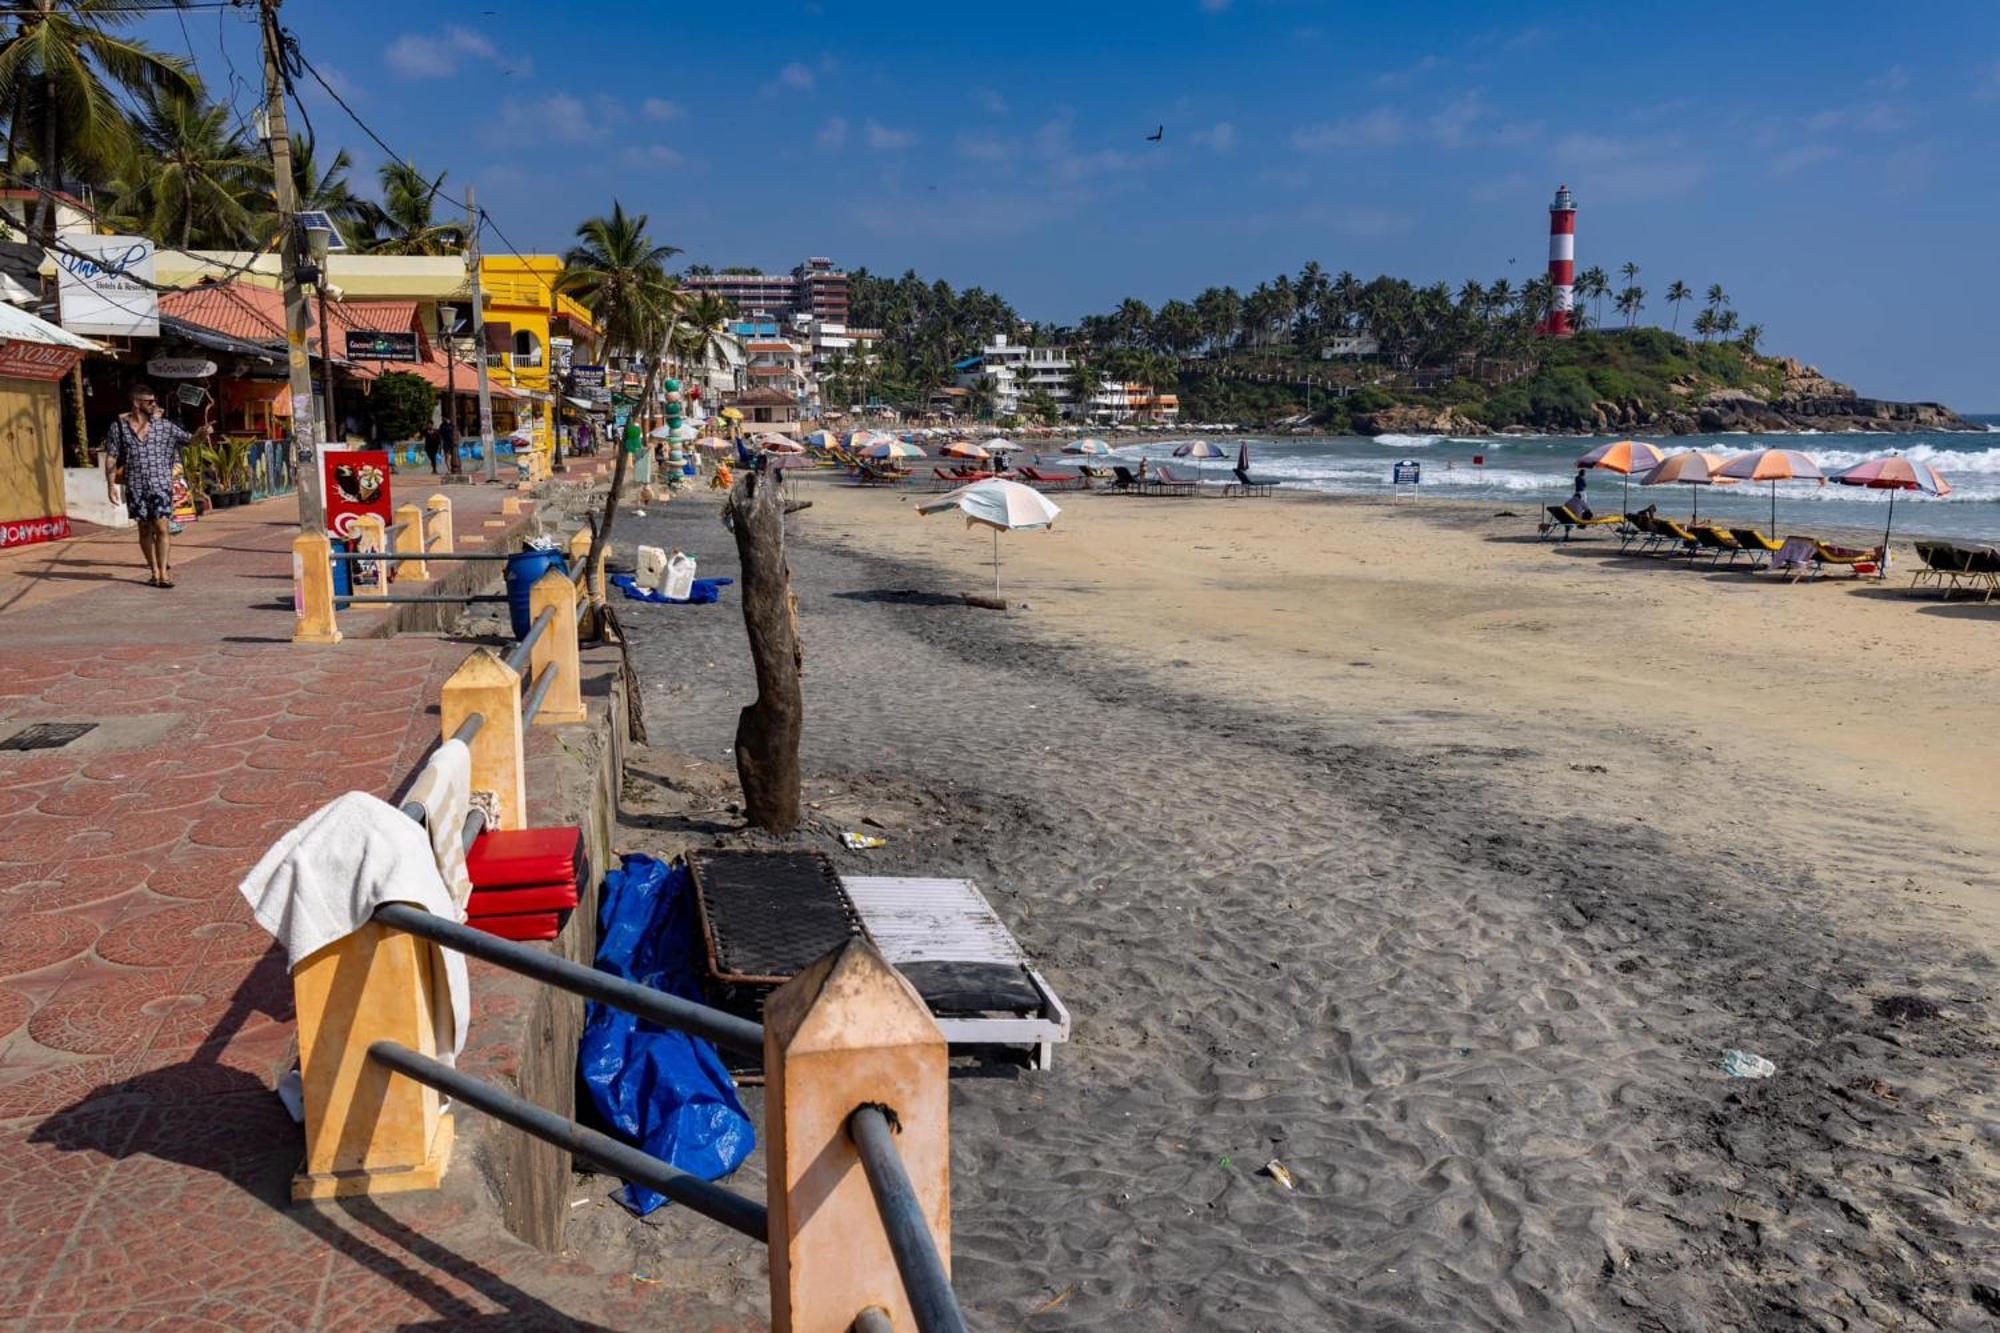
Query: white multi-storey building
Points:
[1017, 371]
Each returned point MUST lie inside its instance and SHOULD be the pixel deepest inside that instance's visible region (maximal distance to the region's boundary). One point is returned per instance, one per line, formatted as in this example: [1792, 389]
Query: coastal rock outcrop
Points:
[1416, 419]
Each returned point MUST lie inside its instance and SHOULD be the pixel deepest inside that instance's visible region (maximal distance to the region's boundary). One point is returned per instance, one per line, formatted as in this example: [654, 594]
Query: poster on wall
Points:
[36, 361]
[104, 284]
[562, 355]
[357, 483]
[28, 531]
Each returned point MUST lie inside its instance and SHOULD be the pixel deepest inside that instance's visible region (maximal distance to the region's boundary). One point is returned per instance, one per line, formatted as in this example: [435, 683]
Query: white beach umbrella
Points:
[1004, 506]
[1001, 445]
[1093, 447]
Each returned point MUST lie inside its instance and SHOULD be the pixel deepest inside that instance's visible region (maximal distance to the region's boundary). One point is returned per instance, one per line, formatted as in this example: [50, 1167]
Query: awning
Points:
[218, 342]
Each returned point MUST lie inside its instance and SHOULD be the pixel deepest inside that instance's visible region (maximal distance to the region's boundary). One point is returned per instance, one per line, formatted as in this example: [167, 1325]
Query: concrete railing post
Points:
[438, 533]
[409, 540]
[848, 1031]
[370, 534]
[486, 685]
[579, 548]
[367, 1130]
[556, 649]
[312, 589]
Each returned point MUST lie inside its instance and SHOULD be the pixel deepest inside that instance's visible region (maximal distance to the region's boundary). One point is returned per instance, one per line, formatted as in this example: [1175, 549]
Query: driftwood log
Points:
[767, 731]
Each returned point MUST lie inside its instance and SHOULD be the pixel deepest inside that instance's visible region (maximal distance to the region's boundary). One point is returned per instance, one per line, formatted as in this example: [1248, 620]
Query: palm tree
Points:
[1717, 298]
[620, 276]
[1630, 302]
[1085, 380]
[1725, 323]
[61, 71]
[1676, 294]
[1705, 324]
[328, 191]
[1630, 272]
[1752, 333]
[200, 176]
[406, 215]
[1593, 282]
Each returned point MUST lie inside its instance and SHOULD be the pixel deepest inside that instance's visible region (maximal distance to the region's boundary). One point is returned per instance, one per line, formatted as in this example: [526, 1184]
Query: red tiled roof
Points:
[257, 314]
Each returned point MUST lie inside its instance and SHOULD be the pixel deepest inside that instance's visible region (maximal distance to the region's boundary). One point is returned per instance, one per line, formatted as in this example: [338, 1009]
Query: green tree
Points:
[1705, 324]
[401, 404]
[62, 71]
[1594, 284]
[1752, 335]
[406, 219]
[325, 187]
[202, 181]
[1041, 405]
[1630, 302]
[1677, 293]
[619, 274]
[1717, 298]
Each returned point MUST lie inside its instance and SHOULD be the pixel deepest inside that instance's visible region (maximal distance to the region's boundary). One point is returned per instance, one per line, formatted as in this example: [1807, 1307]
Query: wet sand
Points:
[1440, 865]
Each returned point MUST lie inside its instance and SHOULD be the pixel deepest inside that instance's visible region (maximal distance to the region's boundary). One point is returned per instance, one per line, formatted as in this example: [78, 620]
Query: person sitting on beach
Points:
[1576, 503]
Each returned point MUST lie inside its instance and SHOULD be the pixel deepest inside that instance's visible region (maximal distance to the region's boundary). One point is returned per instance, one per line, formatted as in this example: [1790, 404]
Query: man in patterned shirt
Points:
[142, 447]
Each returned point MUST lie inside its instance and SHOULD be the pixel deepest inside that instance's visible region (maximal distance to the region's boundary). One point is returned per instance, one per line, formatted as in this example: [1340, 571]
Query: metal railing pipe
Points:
[524, 650]
[873, 1320]
[469, 728]
[412, 555]
[533, 703]
[925, 1281]
[669, 1011]
[410, 599]
[710, 1200]
[475, 824]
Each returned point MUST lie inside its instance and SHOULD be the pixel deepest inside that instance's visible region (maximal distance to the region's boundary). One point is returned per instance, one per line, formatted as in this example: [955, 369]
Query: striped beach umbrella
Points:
[892, 449]
[1694, 469]
[1624, 456]
[1773, 466]
[1892, 473]
[1095, 448]
[964, 449]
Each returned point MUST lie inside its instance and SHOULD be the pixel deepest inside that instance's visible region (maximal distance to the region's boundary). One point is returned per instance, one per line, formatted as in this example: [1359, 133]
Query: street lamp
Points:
[447, 321]
[319, 240]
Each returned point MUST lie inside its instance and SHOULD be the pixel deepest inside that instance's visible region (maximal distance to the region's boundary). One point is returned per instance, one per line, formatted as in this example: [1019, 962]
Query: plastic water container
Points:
[679, 583]
[524, 570]
[652, 564]
[343, 572]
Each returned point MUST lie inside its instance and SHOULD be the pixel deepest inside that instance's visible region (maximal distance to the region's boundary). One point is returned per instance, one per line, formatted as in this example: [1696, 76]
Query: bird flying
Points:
[1157, 135]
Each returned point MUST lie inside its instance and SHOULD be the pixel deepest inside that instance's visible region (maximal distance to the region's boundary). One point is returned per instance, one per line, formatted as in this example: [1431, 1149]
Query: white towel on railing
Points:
[444, 789]
[323, 880]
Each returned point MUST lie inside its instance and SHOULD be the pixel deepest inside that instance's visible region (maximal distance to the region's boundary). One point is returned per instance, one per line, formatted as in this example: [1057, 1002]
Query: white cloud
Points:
[1214, 6]
[1221, 136]
[797, 77]
[1408, 73]
[1463, 120]
[559, 118]
[1871, 118]
[417, 55]
[1624, 169]
[883, 139]
[1892, 80]
[651, 157]
[1380, 128]
[992, 103]
[659, 108]
[986, 147]
[833, 134]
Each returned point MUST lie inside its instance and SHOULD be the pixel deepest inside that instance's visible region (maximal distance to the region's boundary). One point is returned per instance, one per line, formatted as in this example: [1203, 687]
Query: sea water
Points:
[1524, 472]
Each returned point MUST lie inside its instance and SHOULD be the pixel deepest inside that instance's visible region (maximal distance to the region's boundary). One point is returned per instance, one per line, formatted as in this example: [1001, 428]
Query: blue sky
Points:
[1831, 165]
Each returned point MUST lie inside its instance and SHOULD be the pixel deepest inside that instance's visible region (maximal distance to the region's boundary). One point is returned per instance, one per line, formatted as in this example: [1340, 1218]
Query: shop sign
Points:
[587, 377]
[36, 361]
[105, 285]
[381, 345]
[28, 531]
[562, 354]
[357, 483]
[180, 368]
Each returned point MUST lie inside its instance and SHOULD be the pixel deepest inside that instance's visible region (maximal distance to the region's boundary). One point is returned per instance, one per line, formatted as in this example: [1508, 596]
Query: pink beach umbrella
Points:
[1773, 466]
[1892, 473]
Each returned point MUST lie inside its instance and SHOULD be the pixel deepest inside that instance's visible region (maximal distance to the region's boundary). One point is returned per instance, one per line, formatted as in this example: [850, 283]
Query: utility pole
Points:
[486, 441]
[305, 426]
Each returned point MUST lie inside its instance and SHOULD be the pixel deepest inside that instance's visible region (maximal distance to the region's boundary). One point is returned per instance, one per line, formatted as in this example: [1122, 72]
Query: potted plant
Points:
[198, 470]
[233, 463]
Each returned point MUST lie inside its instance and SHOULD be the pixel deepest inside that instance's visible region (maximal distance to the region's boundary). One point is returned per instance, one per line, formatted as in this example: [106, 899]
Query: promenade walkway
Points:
[144, 1018]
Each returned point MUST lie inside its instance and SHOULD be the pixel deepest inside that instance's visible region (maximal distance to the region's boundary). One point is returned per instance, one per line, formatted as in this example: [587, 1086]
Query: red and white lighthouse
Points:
[1562, 263]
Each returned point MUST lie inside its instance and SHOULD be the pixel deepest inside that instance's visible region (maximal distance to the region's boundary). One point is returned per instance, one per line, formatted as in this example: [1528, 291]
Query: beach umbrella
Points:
[1200, 451]
[1096, 448]
[773, 443]
[892, 449]
[1773, 466]
[963, 449]
[1001, 445]
[1693, 469]
[1892, 473]
[1626, 456]
[819, 439]
[733, 413]
[1004, 506]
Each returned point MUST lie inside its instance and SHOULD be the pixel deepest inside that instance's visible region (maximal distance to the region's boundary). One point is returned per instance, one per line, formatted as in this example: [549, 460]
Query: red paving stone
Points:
[145, 1018]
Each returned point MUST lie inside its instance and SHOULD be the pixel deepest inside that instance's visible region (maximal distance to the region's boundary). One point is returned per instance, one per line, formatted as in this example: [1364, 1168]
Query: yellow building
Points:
[545, 333]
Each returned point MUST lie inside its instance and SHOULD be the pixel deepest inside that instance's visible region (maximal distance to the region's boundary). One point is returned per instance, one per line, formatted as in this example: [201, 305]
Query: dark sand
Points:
[1478, 1017]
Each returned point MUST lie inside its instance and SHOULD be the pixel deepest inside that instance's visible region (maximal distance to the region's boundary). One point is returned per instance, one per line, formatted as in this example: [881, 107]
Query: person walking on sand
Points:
[141, 449]
[1578, 505]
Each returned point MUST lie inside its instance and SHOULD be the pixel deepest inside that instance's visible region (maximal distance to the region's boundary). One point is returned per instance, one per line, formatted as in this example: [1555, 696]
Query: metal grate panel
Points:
[47, 735]
[768, 915]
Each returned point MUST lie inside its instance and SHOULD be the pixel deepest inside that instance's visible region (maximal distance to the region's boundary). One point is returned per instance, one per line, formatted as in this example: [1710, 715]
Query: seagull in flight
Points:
[1157, 135]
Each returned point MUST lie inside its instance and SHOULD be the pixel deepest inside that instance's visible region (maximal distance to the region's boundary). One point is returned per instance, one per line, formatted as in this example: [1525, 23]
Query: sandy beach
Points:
[1441, 865]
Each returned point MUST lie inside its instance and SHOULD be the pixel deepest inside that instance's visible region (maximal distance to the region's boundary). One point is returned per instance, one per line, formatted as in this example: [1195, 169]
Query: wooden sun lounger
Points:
[1562, 516]
[1759, 547]
[943, 935]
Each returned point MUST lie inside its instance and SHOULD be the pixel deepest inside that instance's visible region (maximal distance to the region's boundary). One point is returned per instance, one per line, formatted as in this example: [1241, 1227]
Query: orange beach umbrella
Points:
[1773, 466]
[1694, 468]
[1626, 456]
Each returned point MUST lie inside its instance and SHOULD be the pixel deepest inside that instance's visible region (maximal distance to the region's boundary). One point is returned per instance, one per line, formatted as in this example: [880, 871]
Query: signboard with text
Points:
[28, 531]
[381, 345]
[36, 361]
[1409, 472]
[104, 284]
[587, 377]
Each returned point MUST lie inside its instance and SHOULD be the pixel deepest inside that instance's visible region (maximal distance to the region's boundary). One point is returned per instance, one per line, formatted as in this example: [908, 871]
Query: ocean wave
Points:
[1394, 441]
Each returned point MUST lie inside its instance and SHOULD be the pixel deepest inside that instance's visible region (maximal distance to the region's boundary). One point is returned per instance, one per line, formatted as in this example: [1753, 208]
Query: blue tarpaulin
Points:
[661, 1089]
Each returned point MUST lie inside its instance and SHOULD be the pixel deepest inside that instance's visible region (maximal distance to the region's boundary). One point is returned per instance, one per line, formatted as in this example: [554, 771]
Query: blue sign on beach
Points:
[1409, 472]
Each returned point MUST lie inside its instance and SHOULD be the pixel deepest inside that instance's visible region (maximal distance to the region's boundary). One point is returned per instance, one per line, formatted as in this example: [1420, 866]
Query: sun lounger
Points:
[1249, 483]
[1126, 481]
[1677, 539]
[1718, 542]
[944, 937]
[1638, 529]
[1859, 561]
[1053, 481]
[1562, 516]
[1982, 566]
[1164, 481]
[1756, 545]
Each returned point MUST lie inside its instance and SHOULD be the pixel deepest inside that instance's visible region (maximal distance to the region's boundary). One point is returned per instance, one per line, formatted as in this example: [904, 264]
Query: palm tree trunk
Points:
[51, 179]
[619, 462]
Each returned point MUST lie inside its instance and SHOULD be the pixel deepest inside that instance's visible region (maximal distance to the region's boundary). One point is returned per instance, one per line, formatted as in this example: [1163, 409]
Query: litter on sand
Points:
[1743, 1064]
[1281, 1173]
[862, 842]
[700, 592]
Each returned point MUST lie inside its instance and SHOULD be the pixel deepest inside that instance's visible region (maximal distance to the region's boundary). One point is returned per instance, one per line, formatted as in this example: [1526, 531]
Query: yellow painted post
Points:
[409, 540]
[368, 1131]
[486, 685]
[439, 534]
[371, 534]
[556, 649]
[312, 589]
[846, 1032]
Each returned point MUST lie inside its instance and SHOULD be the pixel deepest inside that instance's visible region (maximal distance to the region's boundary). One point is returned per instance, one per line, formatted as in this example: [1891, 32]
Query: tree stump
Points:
[767, 731]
